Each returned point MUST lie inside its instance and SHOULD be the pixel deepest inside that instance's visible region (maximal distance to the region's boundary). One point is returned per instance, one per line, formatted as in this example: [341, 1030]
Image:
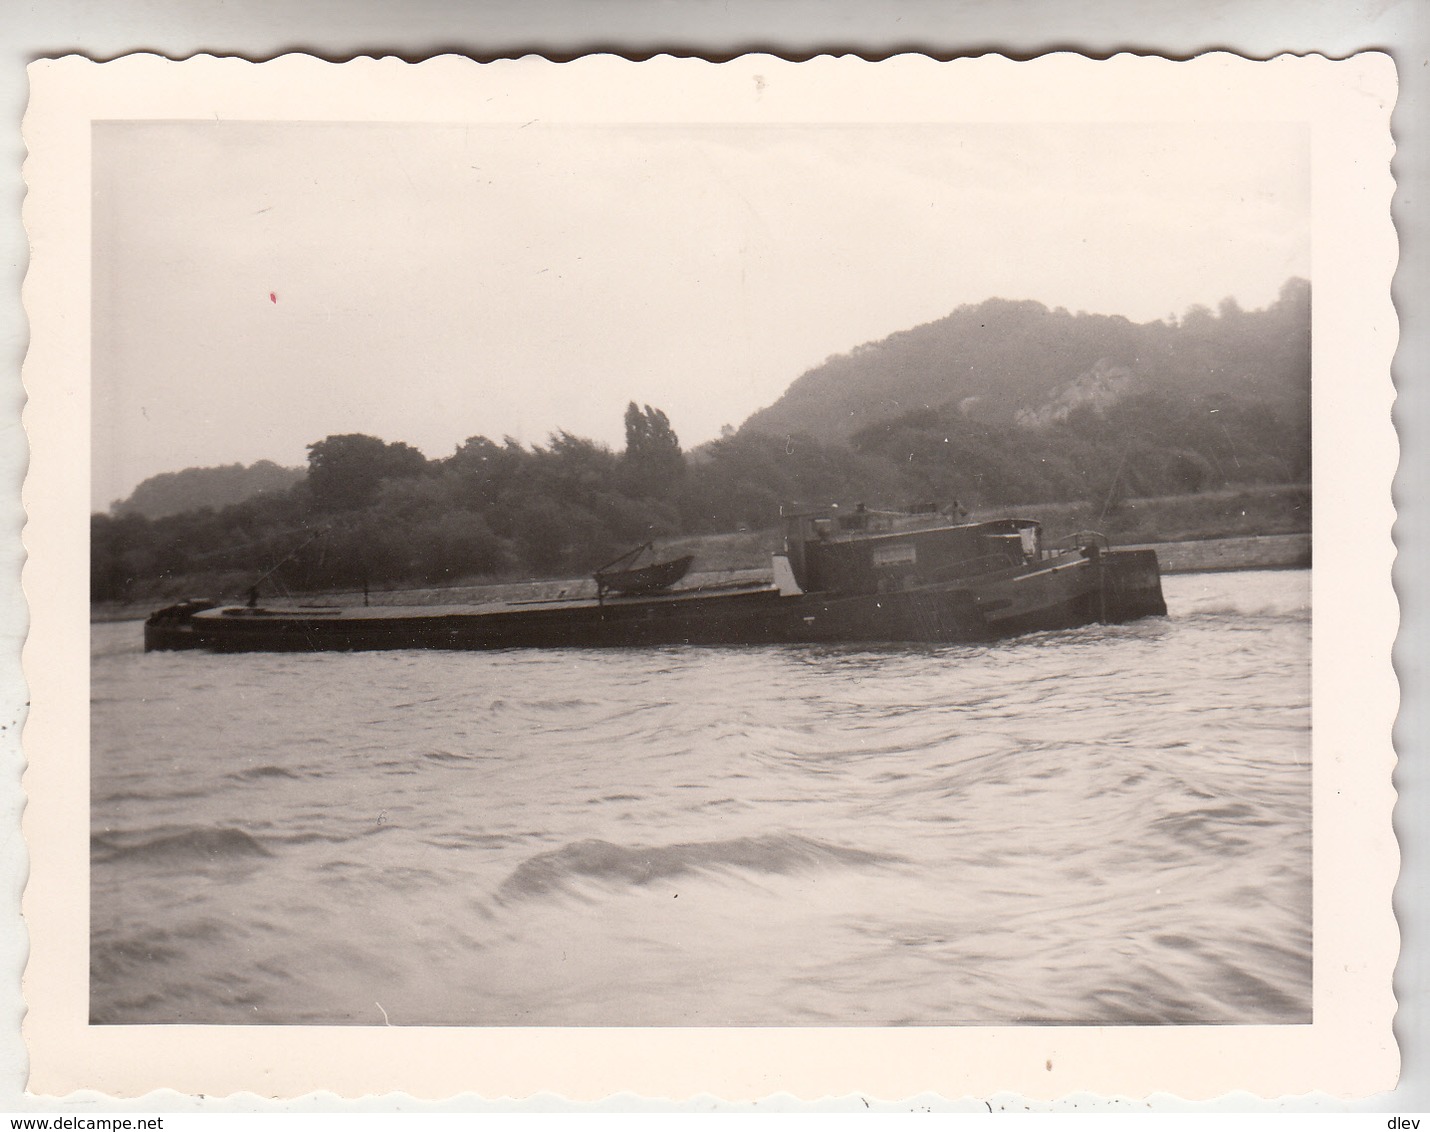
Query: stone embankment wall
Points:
[1258, 552]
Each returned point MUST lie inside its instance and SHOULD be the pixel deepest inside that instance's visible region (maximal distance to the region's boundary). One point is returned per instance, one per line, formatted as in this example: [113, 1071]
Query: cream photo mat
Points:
[1348, 1050]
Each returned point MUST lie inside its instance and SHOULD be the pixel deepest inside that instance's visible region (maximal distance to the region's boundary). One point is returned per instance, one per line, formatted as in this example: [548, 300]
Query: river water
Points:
[1104, 825]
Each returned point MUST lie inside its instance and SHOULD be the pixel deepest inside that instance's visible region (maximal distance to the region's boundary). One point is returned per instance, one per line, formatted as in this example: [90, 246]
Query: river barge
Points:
[858, 576]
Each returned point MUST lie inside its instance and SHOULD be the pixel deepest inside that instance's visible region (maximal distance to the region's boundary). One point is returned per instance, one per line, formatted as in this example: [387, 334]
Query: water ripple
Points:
[1109, 825]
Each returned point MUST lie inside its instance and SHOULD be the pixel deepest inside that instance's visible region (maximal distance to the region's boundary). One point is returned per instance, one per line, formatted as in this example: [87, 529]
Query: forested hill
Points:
[1002, 404]
[171, 493]
[1005, 362]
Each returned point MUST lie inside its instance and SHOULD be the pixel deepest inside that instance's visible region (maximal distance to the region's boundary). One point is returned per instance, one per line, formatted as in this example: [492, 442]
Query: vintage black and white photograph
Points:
[732, 572]
[733, 576]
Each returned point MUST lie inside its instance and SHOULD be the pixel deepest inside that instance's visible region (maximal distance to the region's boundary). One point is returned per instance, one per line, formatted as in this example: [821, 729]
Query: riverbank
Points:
[1253, 552]
[736, 561]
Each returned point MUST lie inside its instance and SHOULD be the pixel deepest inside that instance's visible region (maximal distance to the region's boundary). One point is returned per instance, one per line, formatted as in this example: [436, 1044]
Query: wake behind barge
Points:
[862, 577]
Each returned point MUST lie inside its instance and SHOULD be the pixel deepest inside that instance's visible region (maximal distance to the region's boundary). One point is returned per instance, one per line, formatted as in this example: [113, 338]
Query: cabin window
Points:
[900, 554]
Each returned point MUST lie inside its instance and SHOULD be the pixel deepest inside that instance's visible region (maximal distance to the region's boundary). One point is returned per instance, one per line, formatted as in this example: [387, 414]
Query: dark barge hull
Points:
[1078, 590]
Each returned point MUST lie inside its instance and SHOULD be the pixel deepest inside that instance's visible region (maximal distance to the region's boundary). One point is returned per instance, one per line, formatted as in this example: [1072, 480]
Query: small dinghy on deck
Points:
[622, 576]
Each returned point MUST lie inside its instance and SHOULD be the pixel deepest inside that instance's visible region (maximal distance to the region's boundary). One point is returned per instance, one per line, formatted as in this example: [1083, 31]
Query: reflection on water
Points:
[1107, 825]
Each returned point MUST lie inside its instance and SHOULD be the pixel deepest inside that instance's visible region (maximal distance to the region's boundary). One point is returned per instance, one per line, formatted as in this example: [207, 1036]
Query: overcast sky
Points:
[260, 286]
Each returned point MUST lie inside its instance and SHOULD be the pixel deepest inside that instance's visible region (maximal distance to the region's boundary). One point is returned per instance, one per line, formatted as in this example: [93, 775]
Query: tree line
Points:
[381, 514]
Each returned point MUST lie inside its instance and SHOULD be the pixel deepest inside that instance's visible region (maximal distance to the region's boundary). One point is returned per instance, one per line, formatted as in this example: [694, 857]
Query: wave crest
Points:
[640, 865]
[222, 844]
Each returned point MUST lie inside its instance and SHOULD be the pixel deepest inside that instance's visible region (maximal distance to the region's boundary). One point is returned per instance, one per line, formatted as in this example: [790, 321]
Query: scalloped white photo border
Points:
[1348, 1050]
